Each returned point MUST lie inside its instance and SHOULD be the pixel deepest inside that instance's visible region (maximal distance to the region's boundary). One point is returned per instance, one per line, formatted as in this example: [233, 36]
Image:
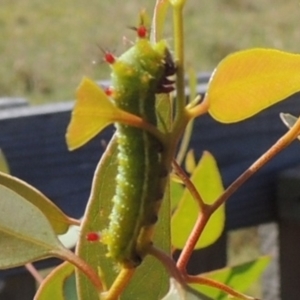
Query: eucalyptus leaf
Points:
[246, 82]
[25, 233]
[96, 219]
[239, 277]
[59, 284]
[59, 221]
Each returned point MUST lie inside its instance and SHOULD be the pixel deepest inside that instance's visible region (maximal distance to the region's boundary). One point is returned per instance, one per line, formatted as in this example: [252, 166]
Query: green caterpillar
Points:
[137, 76]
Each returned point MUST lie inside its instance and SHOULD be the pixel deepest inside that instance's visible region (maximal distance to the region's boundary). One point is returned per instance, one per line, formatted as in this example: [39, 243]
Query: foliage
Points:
[142, 267]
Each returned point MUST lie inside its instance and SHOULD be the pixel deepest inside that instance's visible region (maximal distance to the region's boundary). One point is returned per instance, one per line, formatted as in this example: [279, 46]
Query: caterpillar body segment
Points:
[137, 76]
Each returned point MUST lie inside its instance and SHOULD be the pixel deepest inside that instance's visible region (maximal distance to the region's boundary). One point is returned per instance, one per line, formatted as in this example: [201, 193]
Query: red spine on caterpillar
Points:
[93, 236]
[142, 31]
[109, 58]
[109, 91]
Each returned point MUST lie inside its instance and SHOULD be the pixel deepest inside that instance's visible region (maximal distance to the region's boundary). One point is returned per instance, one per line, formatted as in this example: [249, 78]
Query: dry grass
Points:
[46, 47]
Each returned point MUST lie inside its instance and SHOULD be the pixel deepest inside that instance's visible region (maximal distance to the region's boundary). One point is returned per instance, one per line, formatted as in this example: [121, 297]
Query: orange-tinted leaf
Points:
[93, 112]
[249, 81]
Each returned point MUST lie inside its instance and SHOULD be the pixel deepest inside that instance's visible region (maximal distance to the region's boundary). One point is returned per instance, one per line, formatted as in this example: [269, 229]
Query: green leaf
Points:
[207, 180]
[249, 81]
[239, 277]
[176, 194]
[179, 292]
[59, 221]
[288, 120]
[25, 233]
[96, 219]
[59, 284]
[190, 161]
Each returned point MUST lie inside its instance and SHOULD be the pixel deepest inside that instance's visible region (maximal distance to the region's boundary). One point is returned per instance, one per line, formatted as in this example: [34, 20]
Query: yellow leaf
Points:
[3, 163]
[249, 81]
[190, 161]
[93, 111]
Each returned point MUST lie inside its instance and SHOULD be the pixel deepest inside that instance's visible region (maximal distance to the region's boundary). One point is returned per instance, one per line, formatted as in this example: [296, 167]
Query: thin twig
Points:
[189, 185]
[192, 241]
[198, 110]
[281, 144]
[220, 286]
[34, 272]
[119, 284]
[75, 260]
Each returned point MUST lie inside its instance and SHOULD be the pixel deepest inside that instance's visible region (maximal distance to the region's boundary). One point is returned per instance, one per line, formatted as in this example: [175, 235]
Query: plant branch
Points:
[119, 284]
[75, 260]
[208, 210]
[198, 110]
[189, 128]
[138, 122]
[185, 142]
[168, 262]
[192, 241]
[220, 286]
[281, 144]
[189, 185]
[75, 222]
[34, 272]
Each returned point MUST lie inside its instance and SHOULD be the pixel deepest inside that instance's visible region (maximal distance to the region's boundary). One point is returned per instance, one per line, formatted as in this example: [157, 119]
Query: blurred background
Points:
[47, 46]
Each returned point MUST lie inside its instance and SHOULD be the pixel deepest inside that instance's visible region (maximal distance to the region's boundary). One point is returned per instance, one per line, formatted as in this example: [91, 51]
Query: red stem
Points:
[192, 241]
[168, 263]
[69, 256]
[207, 211]
[189, 185]
[34, 272]
[217, 285]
